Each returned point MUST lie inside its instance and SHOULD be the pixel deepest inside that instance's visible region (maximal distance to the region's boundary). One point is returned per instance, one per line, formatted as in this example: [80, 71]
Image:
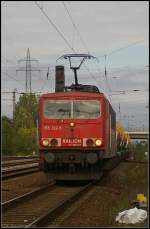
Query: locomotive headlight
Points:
[98, 142]
[72, 124]
[45, 142]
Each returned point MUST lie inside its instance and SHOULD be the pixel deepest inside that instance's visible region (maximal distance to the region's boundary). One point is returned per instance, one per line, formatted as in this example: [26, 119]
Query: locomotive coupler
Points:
[71, 168]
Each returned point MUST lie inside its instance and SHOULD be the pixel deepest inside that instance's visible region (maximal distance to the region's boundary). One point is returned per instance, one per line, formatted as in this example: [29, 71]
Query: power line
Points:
[117, 50]
[109, 89]
[21, 93]
[55, 27]
[7, 60]
[76, 28]
[88, 50]
[11, 77]
[82, 41]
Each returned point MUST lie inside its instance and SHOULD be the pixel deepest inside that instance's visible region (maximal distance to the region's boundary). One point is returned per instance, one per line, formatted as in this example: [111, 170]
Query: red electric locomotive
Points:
[77, 129]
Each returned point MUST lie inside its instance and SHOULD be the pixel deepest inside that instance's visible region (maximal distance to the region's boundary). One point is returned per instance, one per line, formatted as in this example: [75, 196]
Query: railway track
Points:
[10, 158]
[8, 163]
[41, 206]
[136, 161]
[14, 171]
[12, 168]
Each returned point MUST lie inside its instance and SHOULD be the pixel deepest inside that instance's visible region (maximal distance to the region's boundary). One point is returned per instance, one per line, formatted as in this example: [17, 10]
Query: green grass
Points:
[139, 152]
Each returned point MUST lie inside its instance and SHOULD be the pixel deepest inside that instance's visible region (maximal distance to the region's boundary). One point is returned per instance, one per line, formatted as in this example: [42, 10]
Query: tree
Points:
[27, 140]
[23, 118]
[26, 112]
[20, 136]
[8, 137]
[26, 115]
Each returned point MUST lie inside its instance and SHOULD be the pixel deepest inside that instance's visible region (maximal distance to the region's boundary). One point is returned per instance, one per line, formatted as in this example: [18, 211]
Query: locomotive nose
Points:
[92, 158]
[49, 157]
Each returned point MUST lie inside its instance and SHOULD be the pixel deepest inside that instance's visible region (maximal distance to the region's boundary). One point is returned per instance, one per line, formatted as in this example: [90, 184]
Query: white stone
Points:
[133, 215]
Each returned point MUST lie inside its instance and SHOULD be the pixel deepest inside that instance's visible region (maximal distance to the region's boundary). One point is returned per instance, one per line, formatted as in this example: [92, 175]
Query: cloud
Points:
[103, 25]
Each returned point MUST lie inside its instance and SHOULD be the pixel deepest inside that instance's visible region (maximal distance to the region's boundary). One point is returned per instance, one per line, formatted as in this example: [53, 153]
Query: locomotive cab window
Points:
[86, 109]
[57, 109]
[78, 109]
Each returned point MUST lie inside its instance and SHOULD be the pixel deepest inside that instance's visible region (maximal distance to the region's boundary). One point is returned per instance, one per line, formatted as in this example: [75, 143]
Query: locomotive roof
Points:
[73, 94]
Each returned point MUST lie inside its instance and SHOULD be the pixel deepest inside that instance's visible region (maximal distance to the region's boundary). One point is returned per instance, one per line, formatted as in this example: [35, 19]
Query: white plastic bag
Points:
[133, 215]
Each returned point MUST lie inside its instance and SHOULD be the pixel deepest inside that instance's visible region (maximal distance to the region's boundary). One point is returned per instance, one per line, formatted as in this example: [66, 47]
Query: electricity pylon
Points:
[28, 69]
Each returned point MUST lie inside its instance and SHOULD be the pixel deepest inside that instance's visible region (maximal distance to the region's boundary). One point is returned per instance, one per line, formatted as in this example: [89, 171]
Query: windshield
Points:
[78, 109]
[57, 109]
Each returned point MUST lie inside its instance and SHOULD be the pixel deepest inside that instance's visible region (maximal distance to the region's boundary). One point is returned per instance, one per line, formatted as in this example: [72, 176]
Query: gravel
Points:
[14, 187]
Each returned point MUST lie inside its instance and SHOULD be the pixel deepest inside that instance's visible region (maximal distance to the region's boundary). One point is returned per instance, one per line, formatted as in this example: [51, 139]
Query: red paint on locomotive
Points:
[77, 134]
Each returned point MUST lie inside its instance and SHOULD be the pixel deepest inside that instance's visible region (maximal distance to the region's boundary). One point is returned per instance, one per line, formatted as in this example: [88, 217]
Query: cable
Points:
[7, 60]
[82, 41]
[71, 18]
[93, 77]
[55, 27]
[117, 50]
[106, 55]
[12, 77]
[108, 86]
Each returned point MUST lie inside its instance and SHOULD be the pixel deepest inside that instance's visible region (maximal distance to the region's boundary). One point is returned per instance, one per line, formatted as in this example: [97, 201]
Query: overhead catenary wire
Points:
[11, 77]
[75, 26]
[108, 86]
[21, 93]
[63, 37]
[59, 32]
[54, 26]
[110, 53]
[7, 60]
[114, 51]
[41, 8]
[117, 50]
[106, 56]
[85, 46]
[82, 41]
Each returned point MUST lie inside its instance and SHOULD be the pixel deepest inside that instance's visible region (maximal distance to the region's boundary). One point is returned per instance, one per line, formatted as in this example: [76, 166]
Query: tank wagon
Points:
[77, 130]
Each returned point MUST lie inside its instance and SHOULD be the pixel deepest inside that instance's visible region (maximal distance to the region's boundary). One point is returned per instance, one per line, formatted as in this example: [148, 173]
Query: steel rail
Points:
[29, 210]
[53, 213]
[136, 161]
[13, 202]
[10, 158]
[21, 170]
[18, 162]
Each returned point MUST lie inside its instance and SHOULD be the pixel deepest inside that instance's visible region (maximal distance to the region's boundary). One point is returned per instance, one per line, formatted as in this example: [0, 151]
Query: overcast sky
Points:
[118, 29]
